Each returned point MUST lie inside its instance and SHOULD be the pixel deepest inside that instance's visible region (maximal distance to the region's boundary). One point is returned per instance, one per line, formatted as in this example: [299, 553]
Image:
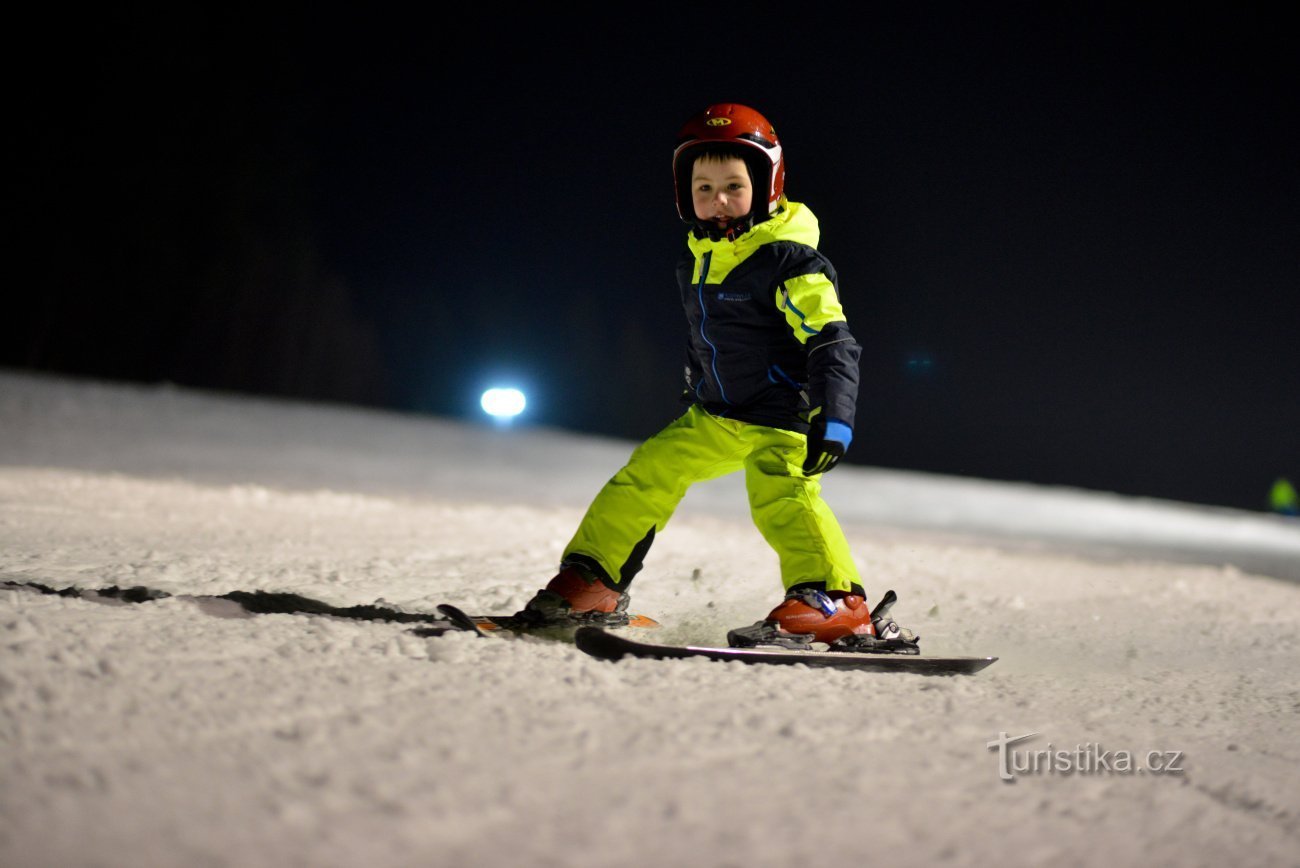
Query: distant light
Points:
[503, 403]
[919, 364]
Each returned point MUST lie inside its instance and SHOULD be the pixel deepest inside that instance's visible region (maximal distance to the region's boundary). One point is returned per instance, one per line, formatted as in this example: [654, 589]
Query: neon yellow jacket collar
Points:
[795, 222]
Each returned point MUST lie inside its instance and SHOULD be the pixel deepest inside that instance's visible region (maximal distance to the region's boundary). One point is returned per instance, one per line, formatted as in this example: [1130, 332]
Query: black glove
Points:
[828, 440]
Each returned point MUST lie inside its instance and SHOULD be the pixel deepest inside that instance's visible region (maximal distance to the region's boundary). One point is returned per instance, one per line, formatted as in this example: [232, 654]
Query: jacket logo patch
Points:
[734, 296]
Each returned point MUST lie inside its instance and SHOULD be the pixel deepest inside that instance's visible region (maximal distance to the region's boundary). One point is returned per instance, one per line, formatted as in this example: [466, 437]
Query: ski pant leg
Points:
[789, 511]
[637, 502]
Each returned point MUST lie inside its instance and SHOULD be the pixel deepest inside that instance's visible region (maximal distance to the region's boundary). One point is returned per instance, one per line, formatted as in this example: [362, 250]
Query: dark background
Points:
[1069, 241]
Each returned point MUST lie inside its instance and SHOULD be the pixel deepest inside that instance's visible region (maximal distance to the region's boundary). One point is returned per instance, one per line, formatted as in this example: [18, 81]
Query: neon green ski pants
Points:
[786, 506]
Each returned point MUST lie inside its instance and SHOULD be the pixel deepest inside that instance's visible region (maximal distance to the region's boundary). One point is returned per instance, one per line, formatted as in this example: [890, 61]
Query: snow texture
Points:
[186, 730]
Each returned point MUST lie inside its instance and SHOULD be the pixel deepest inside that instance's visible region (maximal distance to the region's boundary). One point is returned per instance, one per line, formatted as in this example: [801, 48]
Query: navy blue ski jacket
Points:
[768, 341]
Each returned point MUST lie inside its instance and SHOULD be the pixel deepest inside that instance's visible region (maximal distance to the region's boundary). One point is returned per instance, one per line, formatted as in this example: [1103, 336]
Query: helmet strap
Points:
[733, 230]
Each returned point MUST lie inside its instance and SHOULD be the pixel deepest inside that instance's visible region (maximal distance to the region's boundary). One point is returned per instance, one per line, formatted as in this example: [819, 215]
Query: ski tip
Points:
[459, 618]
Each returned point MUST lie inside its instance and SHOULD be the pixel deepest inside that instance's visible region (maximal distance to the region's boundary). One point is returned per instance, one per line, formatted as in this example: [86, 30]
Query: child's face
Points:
[721, 189]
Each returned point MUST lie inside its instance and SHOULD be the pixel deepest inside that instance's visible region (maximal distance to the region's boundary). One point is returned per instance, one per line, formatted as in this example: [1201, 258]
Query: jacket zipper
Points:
[704, 319]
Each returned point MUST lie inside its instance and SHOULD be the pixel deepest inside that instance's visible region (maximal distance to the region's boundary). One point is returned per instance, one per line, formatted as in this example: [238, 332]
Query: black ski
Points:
[457, 619]
[607, 646]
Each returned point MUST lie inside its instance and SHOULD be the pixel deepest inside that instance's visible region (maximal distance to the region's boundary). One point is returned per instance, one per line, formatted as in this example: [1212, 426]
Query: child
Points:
[772, 381]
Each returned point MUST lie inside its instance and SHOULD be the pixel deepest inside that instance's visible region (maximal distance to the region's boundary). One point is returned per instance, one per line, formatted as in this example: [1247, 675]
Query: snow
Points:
[187, 731]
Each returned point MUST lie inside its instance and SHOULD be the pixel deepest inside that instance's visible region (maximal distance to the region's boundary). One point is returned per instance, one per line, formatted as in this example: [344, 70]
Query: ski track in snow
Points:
[186, 731]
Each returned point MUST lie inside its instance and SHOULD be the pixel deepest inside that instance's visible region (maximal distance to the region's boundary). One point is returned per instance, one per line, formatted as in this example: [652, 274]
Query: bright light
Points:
[503, 403]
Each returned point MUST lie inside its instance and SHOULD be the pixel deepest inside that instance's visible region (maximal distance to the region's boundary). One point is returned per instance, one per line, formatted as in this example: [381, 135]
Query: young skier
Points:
[772, 381]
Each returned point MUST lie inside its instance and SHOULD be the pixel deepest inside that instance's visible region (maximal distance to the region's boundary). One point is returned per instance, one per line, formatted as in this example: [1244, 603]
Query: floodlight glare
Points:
[503, 403]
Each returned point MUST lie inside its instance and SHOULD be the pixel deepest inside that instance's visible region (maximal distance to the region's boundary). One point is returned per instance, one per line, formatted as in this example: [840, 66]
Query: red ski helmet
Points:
[730, 123]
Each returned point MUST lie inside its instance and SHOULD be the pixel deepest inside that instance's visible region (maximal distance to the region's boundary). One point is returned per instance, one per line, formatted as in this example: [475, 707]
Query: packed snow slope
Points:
[186, 730]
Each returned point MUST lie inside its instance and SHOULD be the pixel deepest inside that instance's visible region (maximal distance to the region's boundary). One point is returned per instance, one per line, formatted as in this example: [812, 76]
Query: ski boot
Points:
[575, 597]
[840, 620]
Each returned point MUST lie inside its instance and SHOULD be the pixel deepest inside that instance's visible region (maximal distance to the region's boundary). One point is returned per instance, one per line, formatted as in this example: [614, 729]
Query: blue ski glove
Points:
[828, 440]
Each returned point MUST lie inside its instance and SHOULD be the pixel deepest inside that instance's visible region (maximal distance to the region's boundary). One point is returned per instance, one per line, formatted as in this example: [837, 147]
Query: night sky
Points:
[1068, 240]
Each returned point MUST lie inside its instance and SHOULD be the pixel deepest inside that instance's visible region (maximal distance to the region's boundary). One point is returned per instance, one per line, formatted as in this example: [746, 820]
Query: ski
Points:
[607, 646]
[485, 624]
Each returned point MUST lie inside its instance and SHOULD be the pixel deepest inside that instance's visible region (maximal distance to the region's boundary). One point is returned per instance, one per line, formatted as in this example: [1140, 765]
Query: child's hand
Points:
[828, 440]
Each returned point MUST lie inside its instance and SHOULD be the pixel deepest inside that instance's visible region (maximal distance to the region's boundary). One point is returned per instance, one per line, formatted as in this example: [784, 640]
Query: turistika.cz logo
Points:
[1084, 759]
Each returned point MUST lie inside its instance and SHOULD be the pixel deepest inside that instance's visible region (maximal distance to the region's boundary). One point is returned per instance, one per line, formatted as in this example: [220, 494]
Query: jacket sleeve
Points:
[811, 305]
